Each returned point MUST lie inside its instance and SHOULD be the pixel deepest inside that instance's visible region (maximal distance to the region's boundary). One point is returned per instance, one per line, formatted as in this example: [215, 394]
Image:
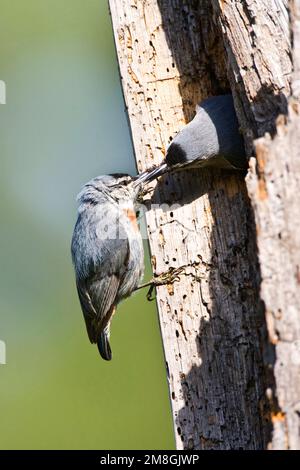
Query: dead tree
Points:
[219, 360]
[257, 37]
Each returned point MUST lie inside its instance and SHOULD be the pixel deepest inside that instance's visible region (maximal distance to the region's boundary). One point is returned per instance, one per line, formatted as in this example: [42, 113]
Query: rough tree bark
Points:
[257, 41]
[171, 56]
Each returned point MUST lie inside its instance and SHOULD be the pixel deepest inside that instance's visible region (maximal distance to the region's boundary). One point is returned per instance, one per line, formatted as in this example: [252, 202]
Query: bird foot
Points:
[165, 278]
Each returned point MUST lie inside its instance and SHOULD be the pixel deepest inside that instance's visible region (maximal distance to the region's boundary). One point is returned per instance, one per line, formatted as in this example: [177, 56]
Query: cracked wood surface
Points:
[171, 56]
[257, 42]
[256, 39]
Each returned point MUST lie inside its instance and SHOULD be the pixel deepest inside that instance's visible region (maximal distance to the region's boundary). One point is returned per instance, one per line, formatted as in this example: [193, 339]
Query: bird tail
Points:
[104, 346]
[149, 175]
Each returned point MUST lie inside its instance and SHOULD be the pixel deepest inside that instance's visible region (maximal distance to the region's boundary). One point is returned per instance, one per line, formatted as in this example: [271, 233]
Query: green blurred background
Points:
[64, 123]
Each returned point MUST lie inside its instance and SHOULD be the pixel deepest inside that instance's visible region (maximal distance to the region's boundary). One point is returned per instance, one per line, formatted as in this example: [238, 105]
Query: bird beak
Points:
[149, 175]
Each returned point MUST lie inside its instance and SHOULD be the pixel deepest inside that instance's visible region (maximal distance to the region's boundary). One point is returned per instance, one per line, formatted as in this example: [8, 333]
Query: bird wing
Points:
[97, 293]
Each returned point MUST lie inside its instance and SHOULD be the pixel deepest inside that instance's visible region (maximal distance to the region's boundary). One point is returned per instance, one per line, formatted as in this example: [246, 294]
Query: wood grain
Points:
[171, 56]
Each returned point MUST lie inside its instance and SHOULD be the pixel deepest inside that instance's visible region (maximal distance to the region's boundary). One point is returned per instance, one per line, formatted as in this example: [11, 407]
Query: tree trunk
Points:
[171, 56]
[257, 42]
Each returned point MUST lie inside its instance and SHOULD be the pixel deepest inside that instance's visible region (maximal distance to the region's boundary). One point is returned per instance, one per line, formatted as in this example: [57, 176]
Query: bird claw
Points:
[169, 277]
[149, 293]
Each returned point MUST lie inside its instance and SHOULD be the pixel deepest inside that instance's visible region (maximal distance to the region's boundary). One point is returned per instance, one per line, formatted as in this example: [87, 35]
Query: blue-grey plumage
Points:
[212, 138]
[107, 252]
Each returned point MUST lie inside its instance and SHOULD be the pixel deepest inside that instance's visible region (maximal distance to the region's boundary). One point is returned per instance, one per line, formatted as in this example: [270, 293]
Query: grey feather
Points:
[104, 346]
[107, 252]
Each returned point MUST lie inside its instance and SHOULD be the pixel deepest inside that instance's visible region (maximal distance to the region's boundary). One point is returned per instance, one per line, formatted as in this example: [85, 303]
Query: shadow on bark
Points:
[228, 390]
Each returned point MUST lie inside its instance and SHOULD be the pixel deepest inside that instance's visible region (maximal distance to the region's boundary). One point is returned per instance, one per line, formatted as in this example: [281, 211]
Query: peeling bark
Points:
[275, 196]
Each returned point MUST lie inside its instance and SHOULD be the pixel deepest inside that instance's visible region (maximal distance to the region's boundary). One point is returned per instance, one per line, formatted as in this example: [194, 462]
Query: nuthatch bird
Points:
[107, 252]
[212, 138]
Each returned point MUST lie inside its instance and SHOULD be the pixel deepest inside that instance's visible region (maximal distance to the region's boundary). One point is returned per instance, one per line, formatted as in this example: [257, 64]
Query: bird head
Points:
[116, 187]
